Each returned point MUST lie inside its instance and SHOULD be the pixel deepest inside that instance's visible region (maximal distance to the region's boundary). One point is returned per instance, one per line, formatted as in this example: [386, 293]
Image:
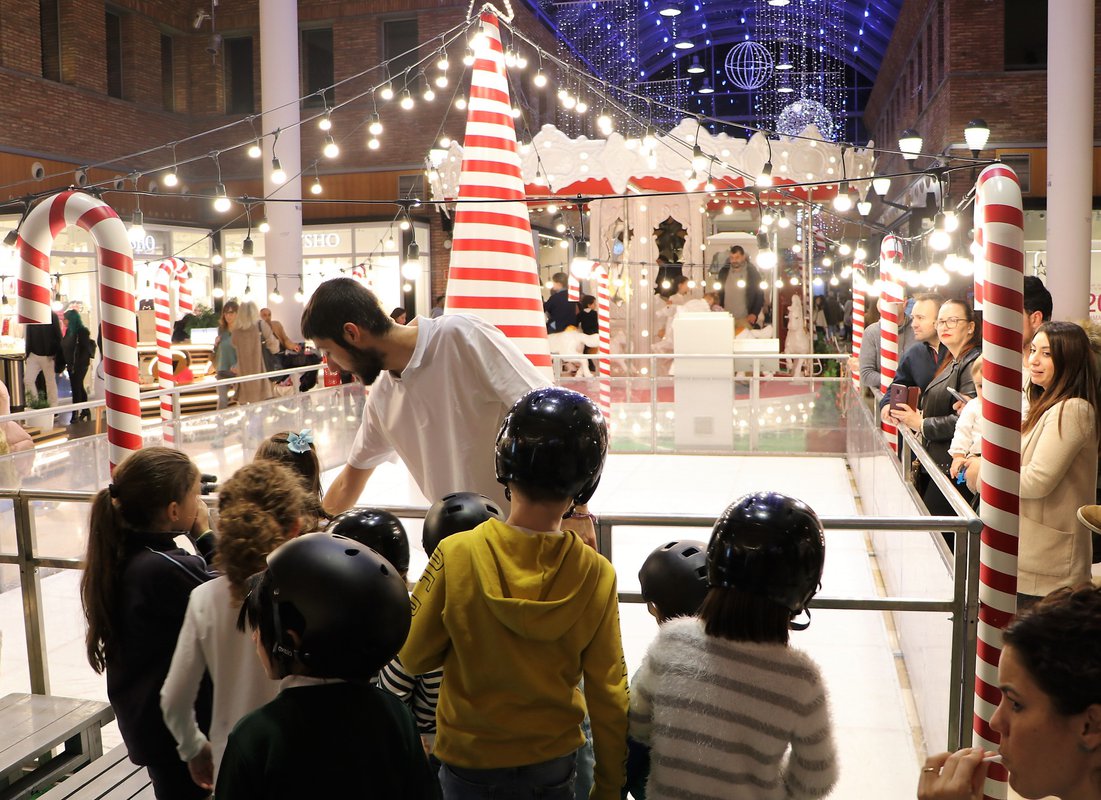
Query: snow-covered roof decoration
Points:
[553, 163]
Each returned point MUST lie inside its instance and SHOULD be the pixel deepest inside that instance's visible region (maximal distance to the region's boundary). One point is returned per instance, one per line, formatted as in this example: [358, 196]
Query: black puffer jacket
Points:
[938, 416]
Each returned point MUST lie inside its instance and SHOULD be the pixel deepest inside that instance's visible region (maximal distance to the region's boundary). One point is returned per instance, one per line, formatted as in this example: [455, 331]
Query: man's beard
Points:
[366, 363]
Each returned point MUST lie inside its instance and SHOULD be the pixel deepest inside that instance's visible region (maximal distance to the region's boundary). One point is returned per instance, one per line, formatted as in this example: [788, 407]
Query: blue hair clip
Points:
[300, 442]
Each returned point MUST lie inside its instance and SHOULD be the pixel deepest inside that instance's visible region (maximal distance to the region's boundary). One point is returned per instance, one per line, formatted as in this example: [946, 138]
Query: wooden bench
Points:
[110, 777]
[32, 726]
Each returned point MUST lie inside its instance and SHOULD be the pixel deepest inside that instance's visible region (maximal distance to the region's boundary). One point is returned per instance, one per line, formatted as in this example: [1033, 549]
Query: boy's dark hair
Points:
[743, 617]
[339, 301]
[586, 301]
[561, 278]
[1037, 298]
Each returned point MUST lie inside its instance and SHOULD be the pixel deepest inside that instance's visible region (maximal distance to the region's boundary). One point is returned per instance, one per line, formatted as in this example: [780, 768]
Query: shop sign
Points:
[326, 240]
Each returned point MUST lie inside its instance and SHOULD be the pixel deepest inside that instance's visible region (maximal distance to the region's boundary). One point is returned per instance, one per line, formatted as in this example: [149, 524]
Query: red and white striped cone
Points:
[115, 258]
[1002, 224]
[604, 328]
[169, 271]
[493, 271]
[890, 260]
[573, 287]
[858, 317]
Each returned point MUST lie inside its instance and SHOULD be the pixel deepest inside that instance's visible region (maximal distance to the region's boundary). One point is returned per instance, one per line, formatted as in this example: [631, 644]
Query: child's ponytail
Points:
[102, 566]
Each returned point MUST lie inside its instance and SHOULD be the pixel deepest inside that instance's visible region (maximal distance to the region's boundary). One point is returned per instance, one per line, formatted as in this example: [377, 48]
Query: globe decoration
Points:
[749, 65]
[795, 118]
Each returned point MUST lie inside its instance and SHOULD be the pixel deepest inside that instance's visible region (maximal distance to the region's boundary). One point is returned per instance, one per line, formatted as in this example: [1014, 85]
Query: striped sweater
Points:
[420, 692]
[719, 717]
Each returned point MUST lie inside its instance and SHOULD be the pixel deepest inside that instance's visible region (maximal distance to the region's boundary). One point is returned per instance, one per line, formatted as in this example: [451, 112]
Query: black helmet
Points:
[771, 545]
[352, 604]
[461, 511]
[380, 530]
[556, 440]
[674, 578]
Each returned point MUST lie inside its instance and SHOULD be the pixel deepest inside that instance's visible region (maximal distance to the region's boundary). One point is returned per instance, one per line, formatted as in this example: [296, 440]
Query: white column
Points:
[279, 92]
[1070, 65]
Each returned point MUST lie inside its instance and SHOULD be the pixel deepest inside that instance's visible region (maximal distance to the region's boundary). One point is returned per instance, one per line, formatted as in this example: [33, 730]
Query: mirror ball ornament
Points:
[749, 65]
[795, 118]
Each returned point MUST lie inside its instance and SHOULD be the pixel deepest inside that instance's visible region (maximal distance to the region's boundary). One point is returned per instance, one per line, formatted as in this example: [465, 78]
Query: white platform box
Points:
[703, 387]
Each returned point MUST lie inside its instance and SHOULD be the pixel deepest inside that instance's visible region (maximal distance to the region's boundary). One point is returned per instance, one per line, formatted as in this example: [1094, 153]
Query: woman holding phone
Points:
[960, 330]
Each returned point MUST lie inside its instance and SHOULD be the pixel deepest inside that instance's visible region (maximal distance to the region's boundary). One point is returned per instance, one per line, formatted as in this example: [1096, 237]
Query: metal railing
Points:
[962, 605]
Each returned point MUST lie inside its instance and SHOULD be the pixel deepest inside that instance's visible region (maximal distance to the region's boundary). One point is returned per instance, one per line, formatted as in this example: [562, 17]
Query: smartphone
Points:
[898, 395]
[961, 397]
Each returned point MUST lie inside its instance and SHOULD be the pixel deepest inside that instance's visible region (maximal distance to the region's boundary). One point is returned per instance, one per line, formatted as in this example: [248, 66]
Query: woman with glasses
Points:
[960, 330]
[1059, 445]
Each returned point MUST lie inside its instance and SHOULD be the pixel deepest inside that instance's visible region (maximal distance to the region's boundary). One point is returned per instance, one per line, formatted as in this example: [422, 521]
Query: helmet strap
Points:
[800, 626]
[283, 652]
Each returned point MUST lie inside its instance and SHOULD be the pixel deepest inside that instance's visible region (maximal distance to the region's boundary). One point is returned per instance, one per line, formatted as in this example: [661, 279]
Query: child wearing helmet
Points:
[721, 698]
[259, 508]
[453, 513]
[517, 612]
[326, 614]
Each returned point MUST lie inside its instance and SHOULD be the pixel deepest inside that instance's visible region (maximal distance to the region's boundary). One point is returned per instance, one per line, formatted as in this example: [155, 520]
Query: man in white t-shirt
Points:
[440, 389]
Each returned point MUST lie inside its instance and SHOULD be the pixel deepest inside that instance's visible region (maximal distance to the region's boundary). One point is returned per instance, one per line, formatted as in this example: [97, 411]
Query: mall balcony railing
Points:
[342, 405]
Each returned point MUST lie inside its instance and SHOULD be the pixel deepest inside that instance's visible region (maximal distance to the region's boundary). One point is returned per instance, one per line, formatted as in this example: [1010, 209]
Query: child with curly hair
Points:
[297, 451]
[259, 508]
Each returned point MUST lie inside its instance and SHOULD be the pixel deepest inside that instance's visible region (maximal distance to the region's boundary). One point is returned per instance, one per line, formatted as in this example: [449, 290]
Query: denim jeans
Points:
[550, 780]
[586, 762]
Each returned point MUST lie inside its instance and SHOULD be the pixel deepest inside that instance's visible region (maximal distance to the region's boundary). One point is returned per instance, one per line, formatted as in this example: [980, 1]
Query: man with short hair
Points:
[1038, 305]
[280, 332]
[741, 288]
[561, 313]
[440, 389]
[920, 361]
[869, 362]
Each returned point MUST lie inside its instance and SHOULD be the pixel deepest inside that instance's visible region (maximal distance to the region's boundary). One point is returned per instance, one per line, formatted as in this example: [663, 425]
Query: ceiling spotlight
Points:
[670, 9]
[706, 87]
[696, 68]
[881, 186]
[864, 207]
[976, 133]
[684, 44]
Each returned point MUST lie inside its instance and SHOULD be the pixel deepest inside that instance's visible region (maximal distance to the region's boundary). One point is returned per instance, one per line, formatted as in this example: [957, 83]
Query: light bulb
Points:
[844, 249]
[217, 259]
[406, 99]
[841, 201]
[429, 94]
[859, 254]
[404, 224]
[581, 106]
[834, 281]
[373, 143]
[299, 296]
[764, 178]
[468, 57]
[460, 102]
[827, 261]
[767, 218]
[325, 123]
[278, 176]
[387, 92]
[218, 292]
[171, 178]
[315, 188]
[540, 79]
[445, 141]
[222, 203]
[254, 150]
[728, 209]
[442, 64]
[331, 149]
[604, 123]
[951, 221]
[374, 127]
[264, 226]
[699, 160]
[784, 222]
[441, 81]
[940, 240]
[521, 61]
[766, 259]
[275, 297]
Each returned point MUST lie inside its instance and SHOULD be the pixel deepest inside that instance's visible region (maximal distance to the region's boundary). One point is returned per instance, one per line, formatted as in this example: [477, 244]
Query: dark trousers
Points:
[172, 781]
[77, 374]
[550, 780]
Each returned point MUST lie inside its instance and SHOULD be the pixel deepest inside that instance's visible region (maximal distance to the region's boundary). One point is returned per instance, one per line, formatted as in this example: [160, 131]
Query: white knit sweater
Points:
[719, 717]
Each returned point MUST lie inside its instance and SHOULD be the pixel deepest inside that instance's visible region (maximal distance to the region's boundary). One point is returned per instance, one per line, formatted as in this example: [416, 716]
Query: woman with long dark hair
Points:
[77, 349]
[225, 357]
[960, 330]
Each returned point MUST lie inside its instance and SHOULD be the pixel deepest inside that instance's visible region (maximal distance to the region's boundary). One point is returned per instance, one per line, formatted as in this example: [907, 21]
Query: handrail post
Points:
[971, 627]
[956, 674]
[603, 538]
[177, 415]
[34, 620]
[653, 403]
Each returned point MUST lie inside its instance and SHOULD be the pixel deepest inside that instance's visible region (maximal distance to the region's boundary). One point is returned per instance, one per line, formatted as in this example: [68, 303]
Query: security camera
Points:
[120, 183]
[200, 17]
[38, 172]
[80, 177]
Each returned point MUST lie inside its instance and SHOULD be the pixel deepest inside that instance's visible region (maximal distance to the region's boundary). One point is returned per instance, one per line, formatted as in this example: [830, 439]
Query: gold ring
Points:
[928, 769]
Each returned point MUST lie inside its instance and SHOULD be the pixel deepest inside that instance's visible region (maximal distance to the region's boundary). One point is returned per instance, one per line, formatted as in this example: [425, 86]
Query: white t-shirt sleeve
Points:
[371, 446]
[504, 371]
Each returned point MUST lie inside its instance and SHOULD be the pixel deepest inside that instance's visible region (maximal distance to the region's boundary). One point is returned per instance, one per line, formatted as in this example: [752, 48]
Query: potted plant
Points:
[44, 421]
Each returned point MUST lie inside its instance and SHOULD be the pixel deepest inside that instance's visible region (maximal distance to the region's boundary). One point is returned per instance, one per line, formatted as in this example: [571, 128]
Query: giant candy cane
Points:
[890, 259]
[116, 300]
[858, 285]
[1002, 227]
[168, 271]
[603, 317]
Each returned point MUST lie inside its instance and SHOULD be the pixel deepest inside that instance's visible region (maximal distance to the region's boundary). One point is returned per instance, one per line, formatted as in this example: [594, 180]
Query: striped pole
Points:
[1002, 224]
[493, 272]
[118, 321]
[858, 284]
[573, 286]
[604, 328]
[979, 254]
[890, 258]
[169, 271]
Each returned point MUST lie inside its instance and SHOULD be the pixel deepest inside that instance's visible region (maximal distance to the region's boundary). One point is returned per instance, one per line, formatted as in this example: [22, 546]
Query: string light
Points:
[216, 259]
[460, 102]
[326, 122]
[264, 226]
[374, 127]
[171, 179]
[331, 149]
[275, 296]
[278, 176]
[411, 268]
[406, 99]
[540, 79]
[387, 92]
[222, 203]
[254, 150]
[299, 296]
[429, 95]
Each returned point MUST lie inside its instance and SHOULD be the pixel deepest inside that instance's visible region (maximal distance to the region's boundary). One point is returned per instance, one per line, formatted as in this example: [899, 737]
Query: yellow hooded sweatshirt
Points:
[515, 619]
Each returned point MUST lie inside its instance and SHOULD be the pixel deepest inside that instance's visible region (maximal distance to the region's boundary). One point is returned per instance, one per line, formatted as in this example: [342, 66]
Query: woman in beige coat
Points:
[250, 361]
[1059, 446]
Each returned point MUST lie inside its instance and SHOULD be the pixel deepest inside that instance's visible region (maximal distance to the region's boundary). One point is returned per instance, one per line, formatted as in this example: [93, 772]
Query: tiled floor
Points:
[873, 731]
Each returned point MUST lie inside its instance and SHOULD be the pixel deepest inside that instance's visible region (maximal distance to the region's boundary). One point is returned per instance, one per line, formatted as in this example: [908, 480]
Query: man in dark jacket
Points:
[741, 289]
[43, 343]
[561, 313]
